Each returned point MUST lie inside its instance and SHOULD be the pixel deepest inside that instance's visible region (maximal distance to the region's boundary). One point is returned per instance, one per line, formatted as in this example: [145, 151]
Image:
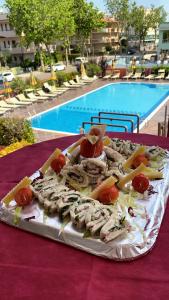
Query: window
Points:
[6, 28]
[13, 44]
[9, 44]
[4, 44]
[166, 36]
[2, 29]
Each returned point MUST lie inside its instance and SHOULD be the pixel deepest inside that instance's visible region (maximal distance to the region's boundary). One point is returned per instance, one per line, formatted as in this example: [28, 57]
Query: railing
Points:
[122, 114]
[117, 119]
[163, 127]
[114, 119]
[110, 125]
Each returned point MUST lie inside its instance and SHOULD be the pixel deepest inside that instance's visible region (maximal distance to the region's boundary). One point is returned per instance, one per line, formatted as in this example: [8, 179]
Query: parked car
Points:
[79, 60]
[56, 67]
[131, 51]
[7, 76]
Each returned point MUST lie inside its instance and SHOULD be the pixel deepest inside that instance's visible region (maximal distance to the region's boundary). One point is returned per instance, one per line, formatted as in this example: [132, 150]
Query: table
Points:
[33, 267]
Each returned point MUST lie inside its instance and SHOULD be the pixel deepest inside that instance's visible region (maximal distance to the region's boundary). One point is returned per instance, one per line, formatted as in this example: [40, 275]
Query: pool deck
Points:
[151, 127]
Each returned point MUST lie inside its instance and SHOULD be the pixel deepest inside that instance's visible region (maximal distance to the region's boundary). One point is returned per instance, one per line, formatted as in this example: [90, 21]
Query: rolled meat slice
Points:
[95, 169]
[94, 166]
[65, 202]
[97, 217]
[75, 177]
[113, 228]
[79, 209]
[113, 155]
[126, 148]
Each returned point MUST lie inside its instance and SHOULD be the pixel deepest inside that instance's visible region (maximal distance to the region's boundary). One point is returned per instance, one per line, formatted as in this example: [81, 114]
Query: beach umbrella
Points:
[53, 75]
[113, 65]
[133, 64]
[32, 79]
[83, 71]
[7, 88]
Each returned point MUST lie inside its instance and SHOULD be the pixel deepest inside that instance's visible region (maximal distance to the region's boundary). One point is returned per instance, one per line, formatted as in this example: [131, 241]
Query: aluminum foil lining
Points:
[144, 226]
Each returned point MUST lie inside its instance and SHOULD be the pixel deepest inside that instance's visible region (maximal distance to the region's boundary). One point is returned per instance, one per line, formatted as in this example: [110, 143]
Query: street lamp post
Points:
[22, 48]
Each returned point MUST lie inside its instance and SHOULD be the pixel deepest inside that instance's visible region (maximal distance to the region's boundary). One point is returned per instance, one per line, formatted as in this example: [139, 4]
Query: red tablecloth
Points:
[32, 267]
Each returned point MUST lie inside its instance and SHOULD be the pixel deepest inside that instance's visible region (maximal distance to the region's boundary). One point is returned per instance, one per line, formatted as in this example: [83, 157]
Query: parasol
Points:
[83, 71]
[113, 65]
[53, 75]
[7, 88]
[133, 64]
[32, 79]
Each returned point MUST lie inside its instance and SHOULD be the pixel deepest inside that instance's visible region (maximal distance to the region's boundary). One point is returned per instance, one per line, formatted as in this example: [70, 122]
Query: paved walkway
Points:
[151, 127]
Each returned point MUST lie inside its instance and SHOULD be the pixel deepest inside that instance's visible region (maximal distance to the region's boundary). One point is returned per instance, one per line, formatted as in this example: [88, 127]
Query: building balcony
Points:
[103, 30]
[164, 26]
[8, 34]
[101, 41]
[18, 50]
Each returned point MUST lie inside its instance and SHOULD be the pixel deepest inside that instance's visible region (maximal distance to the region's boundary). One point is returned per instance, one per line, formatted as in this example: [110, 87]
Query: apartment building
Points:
[10, 43]
[150, 44]
[101, 38]
[107, 36]
[163, 46]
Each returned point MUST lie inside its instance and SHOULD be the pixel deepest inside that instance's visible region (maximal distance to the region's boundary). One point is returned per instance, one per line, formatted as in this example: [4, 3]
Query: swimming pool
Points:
[135, 98]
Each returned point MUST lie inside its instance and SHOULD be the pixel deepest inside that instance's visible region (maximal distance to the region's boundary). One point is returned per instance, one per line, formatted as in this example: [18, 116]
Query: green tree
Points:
[121, 11]
[158, 16]
[87, 18]
[41, 20]
[141, 22]
[66, 25]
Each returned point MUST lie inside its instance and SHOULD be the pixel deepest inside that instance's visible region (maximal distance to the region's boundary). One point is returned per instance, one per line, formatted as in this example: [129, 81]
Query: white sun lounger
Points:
[41, 93]
[161, 75]
[14, 100]
[72, 82]
[80, 81]
[53, 90]
[128, 76]
[107, 76]
[37, 98]
[149, 77]
[136, 75]
[115, 76]
[7, 105]
[66, 84]
[22, 98]
[4, 110]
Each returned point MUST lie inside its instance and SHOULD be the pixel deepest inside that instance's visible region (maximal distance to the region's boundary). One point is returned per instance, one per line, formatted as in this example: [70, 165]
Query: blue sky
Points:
[101, 3]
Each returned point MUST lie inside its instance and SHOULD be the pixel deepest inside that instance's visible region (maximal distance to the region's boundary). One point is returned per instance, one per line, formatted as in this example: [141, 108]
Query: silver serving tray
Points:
[145, 226]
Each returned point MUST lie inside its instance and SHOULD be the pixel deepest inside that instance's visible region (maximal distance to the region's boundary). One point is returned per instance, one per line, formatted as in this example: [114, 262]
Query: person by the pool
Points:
[133, 65]
[103, 64]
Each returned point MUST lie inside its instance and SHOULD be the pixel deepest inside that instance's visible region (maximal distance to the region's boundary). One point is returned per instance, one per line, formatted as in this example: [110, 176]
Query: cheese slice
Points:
[128, 163]
[106, 141]
[152, 174]
[109, 182]
[125, 179]
[11, 195]
[46, 165]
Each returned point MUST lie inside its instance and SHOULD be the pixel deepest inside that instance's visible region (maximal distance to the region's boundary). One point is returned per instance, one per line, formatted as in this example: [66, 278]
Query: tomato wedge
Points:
[138, 160]
[91, 150]
[140, 183]
[24, 196]
[108, 195]
[58, 163]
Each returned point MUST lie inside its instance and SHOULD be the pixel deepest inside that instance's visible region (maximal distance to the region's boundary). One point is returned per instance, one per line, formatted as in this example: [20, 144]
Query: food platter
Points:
[122, 230]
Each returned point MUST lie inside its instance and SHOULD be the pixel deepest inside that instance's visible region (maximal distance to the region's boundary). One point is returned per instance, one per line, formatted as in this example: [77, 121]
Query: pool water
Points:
[134, 98]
